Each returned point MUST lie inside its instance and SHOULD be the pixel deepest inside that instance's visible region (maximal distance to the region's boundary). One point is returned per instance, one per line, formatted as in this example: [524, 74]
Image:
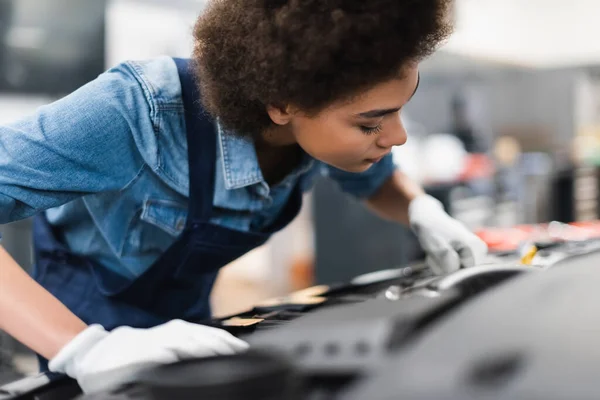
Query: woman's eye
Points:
[370, 130]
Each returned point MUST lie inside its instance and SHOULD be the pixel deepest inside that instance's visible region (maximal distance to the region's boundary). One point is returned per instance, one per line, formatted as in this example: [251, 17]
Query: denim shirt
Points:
[108, 164]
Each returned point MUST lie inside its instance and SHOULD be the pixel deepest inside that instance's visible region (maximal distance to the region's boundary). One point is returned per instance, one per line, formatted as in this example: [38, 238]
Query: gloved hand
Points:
[98, 359]
[449, 245]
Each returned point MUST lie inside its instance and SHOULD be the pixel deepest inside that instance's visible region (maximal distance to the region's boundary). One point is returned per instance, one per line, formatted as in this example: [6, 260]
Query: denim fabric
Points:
[108, 164]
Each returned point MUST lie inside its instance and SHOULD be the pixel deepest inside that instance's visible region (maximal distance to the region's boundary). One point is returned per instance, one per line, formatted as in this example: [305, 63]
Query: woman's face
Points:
[355, 134]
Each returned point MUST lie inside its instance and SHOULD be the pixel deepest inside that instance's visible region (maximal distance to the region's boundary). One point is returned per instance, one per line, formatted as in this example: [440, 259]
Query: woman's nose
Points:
[394, 135]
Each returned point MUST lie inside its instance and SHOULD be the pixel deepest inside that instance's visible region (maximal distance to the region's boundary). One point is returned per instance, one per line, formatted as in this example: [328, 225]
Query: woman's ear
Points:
[280, 114]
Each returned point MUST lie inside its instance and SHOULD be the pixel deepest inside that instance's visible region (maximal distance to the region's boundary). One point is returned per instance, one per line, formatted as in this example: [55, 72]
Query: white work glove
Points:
[449, 245]
[99, 360]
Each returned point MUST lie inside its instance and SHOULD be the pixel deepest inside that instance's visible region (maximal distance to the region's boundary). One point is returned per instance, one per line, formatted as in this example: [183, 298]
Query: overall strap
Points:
[201, 142]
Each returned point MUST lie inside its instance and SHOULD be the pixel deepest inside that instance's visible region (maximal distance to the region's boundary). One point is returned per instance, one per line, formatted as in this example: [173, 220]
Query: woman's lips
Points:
[376, 160]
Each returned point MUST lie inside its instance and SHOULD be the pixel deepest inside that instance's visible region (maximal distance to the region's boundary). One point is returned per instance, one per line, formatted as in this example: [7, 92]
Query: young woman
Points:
[150, 178]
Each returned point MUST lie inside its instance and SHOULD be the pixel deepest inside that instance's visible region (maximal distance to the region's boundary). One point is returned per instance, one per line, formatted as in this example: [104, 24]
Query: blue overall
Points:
[178, 284]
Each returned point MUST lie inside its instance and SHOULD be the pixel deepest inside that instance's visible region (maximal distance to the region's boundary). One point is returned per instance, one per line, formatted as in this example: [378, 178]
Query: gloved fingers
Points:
[237, 345]
[116, 354]
[472, 251]
[222, 345]
[194, 340]
[189, 347]
[233, 342]
[479, 249]
[213, 344]
[441, 256]
[220, 335]
[110, 379]
[112, 357]
[102, 381]
[445, 264]
[437, 268]
[465, 254]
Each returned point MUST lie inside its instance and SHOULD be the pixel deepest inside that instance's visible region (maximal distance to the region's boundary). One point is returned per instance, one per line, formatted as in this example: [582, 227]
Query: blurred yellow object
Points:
[291, 300]
[311, 291]
[308, 296]
[507, 150]
[527, 259]
[241, 322]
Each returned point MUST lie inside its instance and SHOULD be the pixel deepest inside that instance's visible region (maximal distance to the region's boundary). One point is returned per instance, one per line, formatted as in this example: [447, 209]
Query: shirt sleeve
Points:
[81, 144]
[363, 185]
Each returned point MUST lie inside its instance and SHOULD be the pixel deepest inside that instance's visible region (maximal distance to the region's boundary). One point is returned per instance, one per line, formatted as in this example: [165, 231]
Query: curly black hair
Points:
[309, 53]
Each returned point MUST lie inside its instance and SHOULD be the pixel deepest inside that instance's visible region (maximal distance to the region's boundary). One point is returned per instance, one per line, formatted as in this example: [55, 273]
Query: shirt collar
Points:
[240, 163]
[239, 160]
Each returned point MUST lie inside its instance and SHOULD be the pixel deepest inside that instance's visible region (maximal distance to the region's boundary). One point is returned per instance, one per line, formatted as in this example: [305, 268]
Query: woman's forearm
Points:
[31, 314]
[392, 199]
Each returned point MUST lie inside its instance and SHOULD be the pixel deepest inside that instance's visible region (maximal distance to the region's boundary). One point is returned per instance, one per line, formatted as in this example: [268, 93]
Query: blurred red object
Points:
[509, 239]
[477, 166]
[506, 239]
